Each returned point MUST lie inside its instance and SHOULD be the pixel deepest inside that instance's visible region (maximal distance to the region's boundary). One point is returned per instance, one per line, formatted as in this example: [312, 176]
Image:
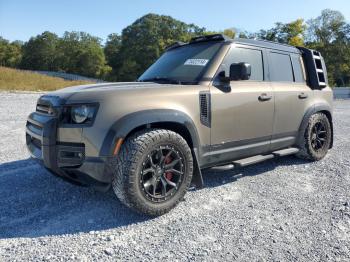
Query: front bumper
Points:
[64, 159]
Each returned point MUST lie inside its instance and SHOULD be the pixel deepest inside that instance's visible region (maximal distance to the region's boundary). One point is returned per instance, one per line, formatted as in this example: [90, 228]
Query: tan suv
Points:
[209, 102]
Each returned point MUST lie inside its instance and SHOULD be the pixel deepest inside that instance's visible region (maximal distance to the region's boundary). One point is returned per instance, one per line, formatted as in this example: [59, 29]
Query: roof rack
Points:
[174, 45]
[273, 42]
[207, 38]
[199, 39]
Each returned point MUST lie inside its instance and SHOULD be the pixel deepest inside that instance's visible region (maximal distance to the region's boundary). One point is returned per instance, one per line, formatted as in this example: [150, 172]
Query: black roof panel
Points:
[243, 41]
[266, 44]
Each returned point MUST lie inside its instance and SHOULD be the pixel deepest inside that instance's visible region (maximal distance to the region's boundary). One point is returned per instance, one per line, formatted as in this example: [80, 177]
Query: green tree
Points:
[81, 53]
[10, 53]
[145, 40]
[273, 34]
[40, 52]
[330, 34]
[291, 33]
[124, 57]
[330, 26]
[294, 32]
[75, 52]
[230, 32]
[112, 53]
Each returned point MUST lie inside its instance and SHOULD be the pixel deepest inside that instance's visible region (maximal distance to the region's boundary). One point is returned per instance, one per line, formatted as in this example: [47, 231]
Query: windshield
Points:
[182, 65]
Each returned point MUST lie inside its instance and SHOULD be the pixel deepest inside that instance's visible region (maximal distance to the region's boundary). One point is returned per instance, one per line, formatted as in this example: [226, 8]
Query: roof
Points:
[266, 44]
[226, 39]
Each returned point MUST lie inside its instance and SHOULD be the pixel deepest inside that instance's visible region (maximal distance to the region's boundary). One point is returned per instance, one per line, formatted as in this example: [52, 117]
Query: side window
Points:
[280, 67]
[298, 69]
[250, 56]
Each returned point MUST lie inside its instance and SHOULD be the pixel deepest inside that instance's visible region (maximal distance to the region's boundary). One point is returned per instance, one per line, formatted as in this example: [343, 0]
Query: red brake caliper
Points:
[168, 175]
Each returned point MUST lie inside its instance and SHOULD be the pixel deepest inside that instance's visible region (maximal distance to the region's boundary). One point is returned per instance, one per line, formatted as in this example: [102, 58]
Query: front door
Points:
[242, 114]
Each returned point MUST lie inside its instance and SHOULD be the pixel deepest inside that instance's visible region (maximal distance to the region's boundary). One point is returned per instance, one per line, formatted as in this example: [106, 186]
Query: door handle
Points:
[264, 97]
[302, 96]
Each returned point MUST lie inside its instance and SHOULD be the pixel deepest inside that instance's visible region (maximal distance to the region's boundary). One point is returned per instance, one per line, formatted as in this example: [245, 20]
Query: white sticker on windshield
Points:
[196, 62]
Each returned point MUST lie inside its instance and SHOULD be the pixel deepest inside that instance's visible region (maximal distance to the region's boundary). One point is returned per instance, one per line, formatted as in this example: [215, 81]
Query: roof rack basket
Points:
[174, 45]
[208, 38]
[315, 67]
[199, 39]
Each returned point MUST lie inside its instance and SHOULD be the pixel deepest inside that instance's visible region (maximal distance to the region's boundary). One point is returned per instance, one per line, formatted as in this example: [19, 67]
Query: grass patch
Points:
[12, 79]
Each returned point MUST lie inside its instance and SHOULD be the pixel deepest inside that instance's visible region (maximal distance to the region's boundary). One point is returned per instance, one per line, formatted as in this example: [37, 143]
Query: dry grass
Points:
[12, 79]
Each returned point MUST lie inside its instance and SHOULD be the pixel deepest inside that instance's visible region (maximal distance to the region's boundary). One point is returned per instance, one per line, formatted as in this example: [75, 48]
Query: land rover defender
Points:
[212, 101]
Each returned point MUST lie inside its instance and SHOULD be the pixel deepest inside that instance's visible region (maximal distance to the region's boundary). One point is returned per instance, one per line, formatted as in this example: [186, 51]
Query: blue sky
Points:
[21, 19]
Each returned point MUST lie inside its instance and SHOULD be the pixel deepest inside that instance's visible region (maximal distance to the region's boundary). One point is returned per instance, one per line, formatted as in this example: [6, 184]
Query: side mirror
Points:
[240, 71]
[223, 78]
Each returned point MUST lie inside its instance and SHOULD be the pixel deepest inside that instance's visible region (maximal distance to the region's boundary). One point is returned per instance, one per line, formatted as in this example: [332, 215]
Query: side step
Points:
[259, 158]
[252, 160]
[286, 152]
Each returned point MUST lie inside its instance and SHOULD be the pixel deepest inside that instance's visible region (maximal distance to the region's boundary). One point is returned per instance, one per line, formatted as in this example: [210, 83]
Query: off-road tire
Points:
[306, 149]
[127, 168]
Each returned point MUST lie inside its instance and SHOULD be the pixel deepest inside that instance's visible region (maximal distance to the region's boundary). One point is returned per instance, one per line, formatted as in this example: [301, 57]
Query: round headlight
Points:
[80, 114]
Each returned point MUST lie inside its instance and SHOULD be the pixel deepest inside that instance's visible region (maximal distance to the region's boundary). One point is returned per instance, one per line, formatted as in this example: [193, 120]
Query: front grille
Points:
[34, 128]
[36, 142]
[34, 146]
[41, 129]
[44, 109]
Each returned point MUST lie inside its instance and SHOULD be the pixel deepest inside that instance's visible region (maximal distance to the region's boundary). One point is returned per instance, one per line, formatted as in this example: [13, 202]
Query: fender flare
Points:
[122, 127]
[312, 110]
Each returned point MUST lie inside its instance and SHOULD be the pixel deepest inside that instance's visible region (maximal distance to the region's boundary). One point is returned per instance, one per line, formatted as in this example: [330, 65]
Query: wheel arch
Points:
[169, 119]
[330, 119]
[318, 108]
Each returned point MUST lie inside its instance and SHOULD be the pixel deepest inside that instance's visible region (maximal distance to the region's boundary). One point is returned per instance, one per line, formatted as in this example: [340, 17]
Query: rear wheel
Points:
[153, 171]
[317, 138]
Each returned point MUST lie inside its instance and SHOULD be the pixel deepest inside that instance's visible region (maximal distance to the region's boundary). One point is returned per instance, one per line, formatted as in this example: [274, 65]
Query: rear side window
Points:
[280, 68]
[298, 69]
[250, 56]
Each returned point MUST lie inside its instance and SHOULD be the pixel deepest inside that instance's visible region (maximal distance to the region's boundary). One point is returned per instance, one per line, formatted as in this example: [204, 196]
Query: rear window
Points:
[298, 69]
[280, 67]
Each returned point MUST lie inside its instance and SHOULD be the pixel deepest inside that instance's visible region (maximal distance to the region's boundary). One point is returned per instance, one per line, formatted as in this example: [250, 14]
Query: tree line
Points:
[124, 57]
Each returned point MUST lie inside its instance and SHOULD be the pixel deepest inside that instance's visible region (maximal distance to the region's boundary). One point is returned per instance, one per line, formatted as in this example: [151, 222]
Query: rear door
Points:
[292, 96]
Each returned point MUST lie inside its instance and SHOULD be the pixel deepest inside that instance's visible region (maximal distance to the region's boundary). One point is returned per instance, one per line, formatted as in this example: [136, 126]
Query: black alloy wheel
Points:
[162, 173]
[153, 171]
[316, 138]
[319, 136]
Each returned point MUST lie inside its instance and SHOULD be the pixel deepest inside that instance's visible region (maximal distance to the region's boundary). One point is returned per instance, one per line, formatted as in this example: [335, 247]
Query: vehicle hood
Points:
[101, 90]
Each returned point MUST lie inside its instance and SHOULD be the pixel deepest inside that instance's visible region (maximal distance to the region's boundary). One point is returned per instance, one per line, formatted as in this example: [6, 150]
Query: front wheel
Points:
[316, 139]
[152, 171]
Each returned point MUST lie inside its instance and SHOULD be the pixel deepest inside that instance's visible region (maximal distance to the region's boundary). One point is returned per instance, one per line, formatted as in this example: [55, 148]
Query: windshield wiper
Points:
[162, 79]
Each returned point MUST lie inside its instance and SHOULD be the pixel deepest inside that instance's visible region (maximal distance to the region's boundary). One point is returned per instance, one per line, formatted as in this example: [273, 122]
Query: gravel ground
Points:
[280, 210]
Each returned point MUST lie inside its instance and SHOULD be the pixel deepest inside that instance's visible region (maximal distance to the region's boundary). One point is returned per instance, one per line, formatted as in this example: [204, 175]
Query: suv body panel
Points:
[240, 125]
[289, 112]
[121, 102]
[240, 119]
